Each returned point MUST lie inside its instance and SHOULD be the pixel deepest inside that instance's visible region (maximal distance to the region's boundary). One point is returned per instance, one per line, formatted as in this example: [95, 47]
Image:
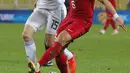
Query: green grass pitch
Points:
[94, 53]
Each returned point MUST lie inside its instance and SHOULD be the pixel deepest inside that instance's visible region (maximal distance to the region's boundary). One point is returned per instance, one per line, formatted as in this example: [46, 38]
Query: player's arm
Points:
[116, 17]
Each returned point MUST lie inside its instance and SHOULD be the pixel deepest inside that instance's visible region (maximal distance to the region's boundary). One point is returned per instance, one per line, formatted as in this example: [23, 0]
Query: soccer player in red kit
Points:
[109, 20]
[76, 24]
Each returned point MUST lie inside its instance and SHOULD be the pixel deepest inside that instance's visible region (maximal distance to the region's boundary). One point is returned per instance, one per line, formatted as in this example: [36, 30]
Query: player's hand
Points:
[120, 23]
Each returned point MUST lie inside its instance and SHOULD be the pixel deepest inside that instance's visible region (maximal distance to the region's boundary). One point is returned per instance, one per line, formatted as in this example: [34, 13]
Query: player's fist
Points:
[120, 23]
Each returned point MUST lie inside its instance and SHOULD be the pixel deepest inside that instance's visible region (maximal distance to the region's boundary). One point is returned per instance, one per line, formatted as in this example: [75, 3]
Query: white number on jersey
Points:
[73, 4]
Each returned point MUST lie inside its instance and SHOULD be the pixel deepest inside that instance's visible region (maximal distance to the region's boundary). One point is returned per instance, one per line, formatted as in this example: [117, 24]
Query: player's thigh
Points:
[37, 19]
[63, 36]
[77, 28]
[64, 24]
[54, 20]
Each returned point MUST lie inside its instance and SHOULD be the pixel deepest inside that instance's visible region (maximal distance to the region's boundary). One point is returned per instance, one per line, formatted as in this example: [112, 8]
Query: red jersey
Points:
[79, 18]
[113, 2]
[83, 9]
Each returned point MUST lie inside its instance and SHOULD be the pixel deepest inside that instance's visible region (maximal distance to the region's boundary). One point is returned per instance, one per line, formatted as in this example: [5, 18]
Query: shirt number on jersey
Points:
[73, 4]
[55, 24]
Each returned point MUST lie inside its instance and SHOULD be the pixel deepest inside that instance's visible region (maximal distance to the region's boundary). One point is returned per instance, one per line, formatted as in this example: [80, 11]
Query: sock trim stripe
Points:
[29, 43]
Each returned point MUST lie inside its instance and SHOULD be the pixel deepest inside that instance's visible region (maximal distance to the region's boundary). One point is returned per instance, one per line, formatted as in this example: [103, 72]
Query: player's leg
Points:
[61, 61]
[106, 25]
[72, 31]
[29, 43]
[54, 50]
[35, 22]
[113, 24]
[49, 39]
[51, 28]
[70, 57]
[43, 59]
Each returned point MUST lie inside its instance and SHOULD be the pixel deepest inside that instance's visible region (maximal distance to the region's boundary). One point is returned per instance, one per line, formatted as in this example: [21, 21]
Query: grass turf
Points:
[94, 53]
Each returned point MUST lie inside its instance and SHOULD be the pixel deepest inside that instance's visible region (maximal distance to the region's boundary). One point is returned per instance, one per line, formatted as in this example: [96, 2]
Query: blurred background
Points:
[120, 5]
[16, 4]
[28, 4]
[13, 7]
[94, 53]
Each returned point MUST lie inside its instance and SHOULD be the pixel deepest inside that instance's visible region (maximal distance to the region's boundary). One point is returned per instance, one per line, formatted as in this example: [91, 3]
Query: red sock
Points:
[61, 61]
[106, 24]
[53, 51]
[113, 24]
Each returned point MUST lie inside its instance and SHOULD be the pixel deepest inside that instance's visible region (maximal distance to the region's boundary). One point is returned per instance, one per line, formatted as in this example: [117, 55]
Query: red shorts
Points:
[75, 27]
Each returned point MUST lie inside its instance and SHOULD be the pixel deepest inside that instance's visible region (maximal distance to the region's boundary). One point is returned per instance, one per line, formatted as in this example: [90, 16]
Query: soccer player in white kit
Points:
[48, 13]
[63, 14]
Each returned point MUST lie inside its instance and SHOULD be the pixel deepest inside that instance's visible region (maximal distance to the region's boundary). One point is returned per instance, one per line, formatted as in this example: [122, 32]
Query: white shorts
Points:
[45, 18]
[63, 11]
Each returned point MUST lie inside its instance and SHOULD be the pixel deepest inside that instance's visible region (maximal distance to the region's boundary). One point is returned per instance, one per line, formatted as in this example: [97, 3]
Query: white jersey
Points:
[61, 1]
[47, 14]
[49, 4]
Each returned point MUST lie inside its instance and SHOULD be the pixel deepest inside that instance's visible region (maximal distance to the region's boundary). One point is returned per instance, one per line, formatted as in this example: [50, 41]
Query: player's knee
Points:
[64, 38]
[26, 37]
[48, 44]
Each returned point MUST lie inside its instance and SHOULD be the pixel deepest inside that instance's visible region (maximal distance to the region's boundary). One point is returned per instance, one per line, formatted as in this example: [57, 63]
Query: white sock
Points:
[30, 49]
[68, 54]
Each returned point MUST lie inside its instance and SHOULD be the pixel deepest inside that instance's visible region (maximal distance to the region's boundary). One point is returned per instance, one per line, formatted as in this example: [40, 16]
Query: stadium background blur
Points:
[28, 4]
[94, 53]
